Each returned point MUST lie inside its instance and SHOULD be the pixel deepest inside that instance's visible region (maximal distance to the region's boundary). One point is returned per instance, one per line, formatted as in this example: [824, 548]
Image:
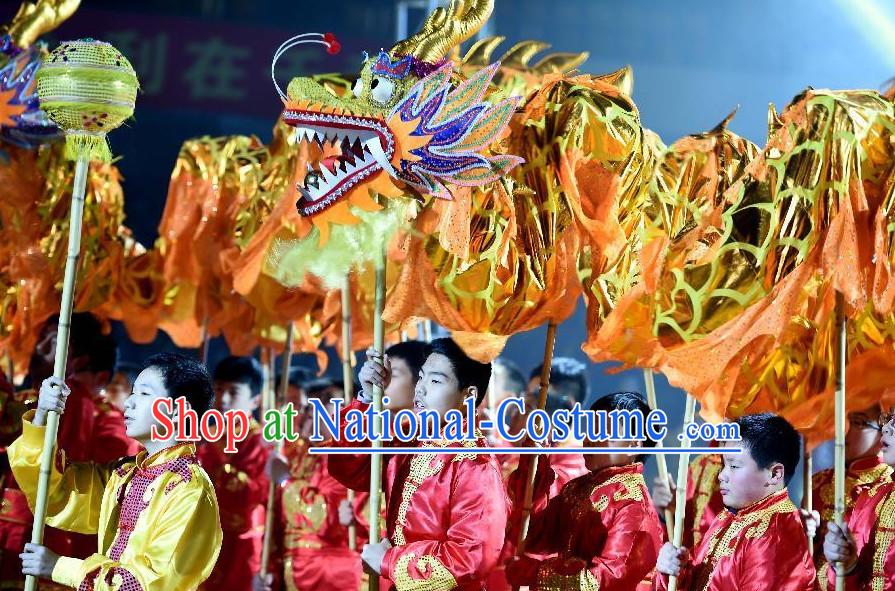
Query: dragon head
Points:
[410, 125]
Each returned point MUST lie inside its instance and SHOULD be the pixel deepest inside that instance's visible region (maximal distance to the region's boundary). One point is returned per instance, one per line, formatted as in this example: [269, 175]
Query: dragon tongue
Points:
[330, 162]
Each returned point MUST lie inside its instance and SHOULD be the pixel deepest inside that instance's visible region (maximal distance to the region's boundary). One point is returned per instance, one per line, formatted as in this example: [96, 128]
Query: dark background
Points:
[205, 70]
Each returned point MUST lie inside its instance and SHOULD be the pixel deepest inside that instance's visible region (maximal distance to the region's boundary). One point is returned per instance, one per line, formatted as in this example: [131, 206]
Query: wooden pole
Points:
[661, 464]
[839, 466]
[680, 499]
[203, 348]
[492, 396]
[272, 378]
[549, 346]
[265, 379]
[807, 492]
[285, 366]
[65, 310]
[348, 378]
[427, 330]
[263, 355]
[376, 458]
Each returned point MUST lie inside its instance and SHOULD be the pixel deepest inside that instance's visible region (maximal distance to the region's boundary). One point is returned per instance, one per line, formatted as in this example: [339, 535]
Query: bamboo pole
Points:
[11, 368]
[661, 464]
[681, 498]
[839, 466]
[348, 379]
[203, 347]
[549, 346]
[265, 379]
[807, 492]
[65, 310]
[376, 458]
[285, 366]
[263, 355]
[492, 396]
[272, 378]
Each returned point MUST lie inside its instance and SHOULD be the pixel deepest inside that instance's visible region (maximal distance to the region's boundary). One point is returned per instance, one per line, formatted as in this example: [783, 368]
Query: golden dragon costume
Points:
[740, 310]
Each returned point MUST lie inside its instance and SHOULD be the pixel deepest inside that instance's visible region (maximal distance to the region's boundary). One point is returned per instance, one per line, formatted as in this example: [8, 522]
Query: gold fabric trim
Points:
[423, 467]
[885, 534]
[578, 494]
[439, 579]
[550, 580]
[706, 483]
[822, 577]
[853, 480]
[287, 574]
[632, 489]
[723, 541]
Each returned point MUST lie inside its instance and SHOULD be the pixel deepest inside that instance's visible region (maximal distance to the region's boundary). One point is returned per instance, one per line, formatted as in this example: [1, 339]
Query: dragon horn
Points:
[479, 53]
[520, 54]
[622, 79]
[560, 62]
[36, 18]
[444, 29]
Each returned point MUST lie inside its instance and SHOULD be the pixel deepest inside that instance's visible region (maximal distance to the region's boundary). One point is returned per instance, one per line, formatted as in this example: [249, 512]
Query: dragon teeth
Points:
[375, 149]
[328, 176]
[371, 143]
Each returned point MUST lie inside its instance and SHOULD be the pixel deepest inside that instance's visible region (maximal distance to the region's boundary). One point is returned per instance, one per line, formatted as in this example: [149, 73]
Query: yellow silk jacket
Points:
[156, 516]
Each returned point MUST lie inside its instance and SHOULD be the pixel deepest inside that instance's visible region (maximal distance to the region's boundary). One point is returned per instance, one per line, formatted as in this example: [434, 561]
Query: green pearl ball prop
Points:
[87, 88]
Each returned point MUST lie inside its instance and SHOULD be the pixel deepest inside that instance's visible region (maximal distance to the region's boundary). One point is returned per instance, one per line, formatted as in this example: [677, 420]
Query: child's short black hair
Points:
[298, 377]
[568, 377]
[184, 376]
[322, 388]
[469, 371]
[88, 339]
[515, 382]
[771, 439]
[413, 353]
[240, 370]
[315, 387]
[129, 369]
[557, 402]
[632, 401]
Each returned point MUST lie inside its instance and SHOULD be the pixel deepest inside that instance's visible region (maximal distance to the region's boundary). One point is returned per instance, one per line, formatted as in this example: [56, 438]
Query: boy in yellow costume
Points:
[156, 514]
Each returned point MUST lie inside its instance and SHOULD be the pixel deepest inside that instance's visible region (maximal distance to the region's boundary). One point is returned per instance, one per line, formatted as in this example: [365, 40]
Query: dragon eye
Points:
[382, 90]
[358, 88]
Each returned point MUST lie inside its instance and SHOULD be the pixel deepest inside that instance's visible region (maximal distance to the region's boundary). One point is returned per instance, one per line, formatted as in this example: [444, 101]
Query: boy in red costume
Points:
[758, 542]
[239, 478]
[601, 531]
[311, 540]
[446, 513]
[865, 547]
[865, 470]
[704, 500]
